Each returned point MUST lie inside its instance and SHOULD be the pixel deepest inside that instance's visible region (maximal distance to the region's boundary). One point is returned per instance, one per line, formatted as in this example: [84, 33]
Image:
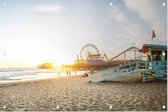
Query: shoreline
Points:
[15, 83]
[27, 76]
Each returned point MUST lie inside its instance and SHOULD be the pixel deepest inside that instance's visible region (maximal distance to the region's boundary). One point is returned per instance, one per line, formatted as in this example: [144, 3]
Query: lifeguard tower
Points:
[157, 61]
[153, 67]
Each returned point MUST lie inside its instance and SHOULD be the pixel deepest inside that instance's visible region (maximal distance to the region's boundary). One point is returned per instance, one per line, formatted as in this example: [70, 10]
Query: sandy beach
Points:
[77, 94]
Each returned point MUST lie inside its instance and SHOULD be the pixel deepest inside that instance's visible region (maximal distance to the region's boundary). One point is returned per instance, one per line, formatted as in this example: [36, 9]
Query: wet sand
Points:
[77, 94]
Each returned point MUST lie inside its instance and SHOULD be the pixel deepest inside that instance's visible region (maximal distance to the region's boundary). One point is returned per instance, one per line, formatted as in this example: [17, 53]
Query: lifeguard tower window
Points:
[156, 55]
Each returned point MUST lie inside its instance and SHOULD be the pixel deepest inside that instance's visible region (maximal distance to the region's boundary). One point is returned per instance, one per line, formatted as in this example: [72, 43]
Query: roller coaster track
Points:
[129, 49]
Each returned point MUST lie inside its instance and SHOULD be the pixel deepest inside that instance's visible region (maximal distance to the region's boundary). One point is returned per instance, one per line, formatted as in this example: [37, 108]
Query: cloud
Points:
[115, 14]
[143, 8]
[136, 20]
[128, 30]
[48, 8]
[152, 12]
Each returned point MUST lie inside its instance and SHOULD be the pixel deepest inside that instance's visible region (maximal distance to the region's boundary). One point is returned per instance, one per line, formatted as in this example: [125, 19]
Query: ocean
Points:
[8, 75]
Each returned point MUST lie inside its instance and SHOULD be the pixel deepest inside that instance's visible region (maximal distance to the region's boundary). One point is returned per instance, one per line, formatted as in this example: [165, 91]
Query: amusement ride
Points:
[90, 55]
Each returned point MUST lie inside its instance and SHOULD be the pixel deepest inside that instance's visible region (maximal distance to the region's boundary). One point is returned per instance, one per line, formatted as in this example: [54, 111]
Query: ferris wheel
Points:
[88, 50]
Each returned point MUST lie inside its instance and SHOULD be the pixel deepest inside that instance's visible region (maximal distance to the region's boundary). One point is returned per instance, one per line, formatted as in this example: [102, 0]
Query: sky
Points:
[37, 31]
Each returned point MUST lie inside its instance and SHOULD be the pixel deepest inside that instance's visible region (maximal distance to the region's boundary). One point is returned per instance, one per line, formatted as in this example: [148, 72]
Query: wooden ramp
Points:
[119, 71]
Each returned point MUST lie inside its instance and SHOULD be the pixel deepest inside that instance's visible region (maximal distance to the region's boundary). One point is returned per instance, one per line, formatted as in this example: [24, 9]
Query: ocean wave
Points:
[21, 74]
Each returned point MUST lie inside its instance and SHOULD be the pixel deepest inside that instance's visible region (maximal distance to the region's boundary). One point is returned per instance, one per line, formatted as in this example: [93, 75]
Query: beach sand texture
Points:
[76, 93]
